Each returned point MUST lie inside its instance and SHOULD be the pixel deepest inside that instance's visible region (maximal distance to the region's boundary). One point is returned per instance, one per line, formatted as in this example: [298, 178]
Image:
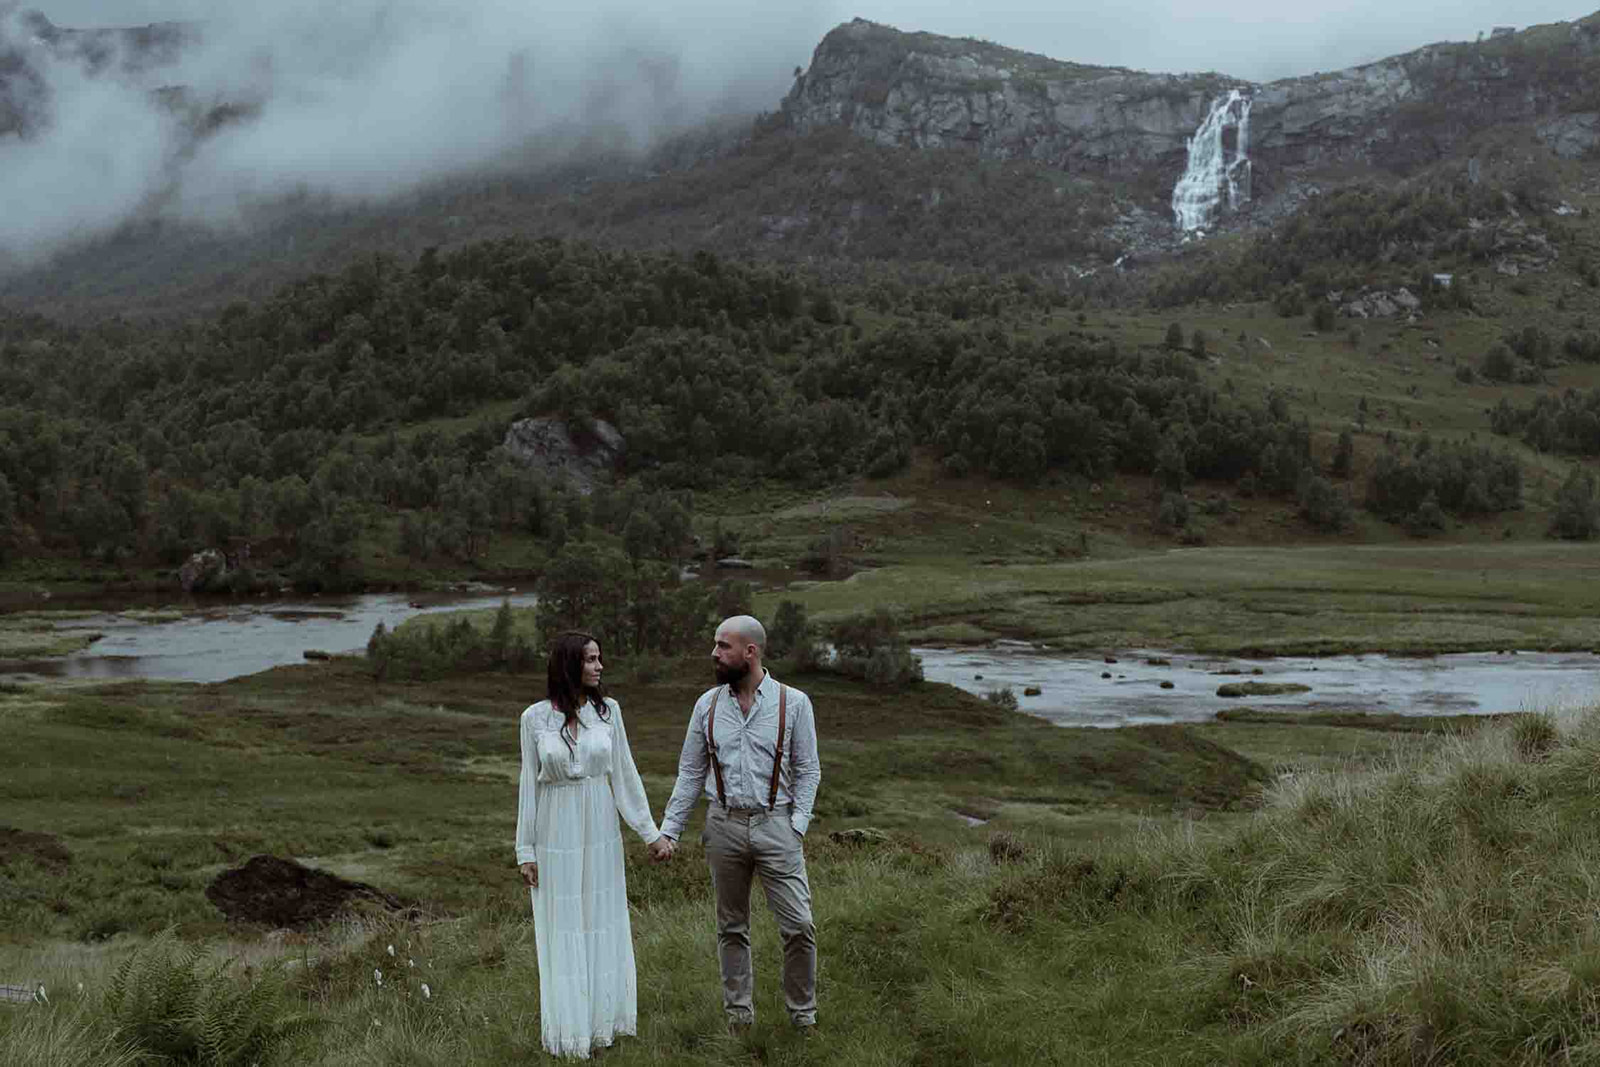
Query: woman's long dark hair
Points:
[564, 684]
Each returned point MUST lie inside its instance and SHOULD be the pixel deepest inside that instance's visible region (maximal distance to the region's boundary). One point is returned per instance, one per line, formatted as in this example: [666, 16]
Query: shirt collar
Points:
[764, 691]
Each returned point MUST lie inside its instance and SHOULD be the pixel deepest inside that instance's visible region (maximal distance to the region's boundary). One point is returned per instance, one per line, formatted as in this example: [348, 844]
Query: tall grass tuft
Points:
[169, 1000]
[61, 1037]
[1535, 735]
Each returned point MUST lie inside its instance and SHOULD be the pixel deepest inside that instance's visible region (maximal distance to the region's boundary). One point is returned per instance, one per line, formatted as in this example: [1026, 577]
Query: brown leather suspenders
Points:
[777, 749]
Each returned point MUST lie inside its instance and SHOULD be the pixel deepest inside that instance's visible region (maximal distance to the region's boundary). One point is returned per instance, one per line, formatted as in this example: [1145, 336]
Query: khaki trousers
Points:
[740, 843]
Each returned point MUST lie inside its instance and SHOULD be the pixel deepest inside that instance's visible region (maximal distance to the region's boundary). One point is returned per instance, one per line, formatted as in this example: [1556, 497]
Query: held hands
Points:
[661, 849]
[530, 875]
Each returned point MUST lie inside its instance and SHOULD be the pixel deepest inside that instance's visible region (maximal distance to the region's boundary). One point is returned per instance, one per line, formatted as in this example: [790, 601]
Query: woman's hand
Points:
[530, 875]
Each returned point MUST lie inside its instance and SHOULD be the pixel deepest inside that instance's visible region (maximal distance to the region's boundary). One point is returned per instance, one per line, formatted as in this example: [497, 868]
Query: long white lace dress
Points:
[568, 803]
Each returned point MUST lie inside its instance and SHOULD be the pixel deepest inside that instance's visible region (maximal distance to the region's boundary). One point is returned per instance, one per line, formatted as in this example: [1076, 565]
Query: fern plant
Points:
[170, 1001]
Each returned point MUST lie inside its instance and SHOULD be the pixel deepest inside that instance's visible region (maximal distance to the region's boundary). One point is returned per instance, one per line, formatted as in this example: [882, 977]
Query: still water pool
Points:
[1074, 691]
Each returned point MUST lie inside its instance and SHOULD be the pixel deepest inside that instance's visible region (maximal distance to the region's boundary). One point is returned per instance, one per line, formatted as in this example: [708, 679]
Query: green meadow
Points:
[1257, 890]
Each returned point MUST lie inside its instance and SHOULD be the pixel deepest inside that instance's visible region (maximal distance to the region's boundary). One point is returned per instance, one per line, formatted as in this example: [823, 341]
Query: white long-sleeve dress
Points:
[567, 808]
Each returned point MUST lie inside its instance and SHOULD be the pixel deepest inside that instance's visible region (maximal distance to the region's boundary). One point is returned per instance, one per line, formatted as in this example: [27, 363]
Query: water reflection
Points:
[1088, 691]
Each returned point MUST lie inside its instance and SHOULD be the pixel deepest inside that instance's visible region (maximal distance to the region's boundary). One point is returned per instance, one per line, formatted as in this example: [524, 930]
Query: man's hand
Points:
[661, 849]
[530, 875]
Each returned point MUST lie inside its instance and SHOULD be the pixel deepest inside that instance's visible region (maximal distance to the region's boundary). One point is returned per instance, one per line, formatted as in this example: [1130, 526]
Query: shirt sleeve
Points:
[627, 788]
[693, 763]
[805, 766]
[527, 792]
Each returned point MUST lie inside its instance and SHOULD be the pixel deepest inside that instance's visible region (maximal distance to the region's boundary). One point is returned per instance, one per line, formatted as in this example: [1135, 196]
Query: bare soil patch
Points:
[44, 849]
[282, 893]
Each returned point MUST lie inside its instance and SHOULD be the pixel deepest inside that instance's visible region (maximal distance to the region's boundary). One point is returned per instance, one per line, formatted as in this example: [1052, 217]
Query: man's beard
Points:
[732, 675]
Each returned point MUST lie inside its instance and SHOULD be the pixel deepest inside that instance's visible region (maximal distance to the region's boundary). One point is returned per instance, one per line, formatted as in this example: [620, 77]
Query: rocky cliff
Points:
[28, 39]
[918, 90]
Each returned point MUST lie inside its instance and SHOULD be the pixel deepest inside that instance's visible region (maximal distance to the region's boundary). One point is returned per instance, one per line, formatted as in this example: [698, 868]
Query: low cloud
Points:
[362, 99]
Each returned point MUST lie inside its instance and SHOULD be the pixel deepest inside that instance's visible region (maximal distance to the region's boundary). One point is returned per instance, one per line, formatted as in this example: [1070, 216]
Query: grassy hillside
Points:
[1409, 895]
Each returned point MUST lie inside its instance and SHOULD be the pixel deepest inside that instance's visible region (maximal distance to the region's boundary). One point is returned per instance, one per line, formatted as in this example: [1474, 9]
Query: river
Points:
[212, 643]
[1088, 691]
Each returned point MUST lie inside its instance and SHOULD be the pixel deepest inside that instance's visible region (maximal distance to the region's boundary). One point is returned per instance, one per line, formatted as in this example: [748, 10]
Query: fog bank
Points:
[359, 100]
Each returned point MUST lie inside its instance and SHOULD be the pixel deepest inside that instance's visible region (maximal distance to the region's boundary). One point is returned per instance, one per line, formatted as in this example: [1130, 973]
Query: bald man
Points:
[752, 750]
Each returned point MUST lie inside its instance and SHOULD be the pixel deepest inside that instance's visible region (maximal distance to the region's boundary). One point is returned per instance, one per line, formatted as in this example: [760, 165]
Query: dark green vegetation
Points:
[279, 424]
[348, 429]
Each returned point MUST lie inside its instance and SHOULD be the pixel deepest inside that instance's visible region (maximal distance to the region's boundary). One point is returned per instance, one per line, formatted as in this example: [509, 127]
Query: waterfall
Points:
[1213, 168]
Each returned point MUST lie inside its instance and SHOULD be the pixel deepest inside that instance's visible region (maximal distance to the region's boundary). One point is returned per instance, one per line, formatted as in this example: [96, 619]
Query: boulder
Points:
[547, 444]
[282, 893]
[861, 835]
[1261, 689]
[203, 570]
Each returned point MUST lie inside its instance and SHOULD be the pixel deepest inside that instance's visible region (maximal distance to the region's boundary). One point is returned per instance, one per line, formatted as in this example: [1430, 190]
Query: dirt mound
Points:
[280, 893]
[44, 849]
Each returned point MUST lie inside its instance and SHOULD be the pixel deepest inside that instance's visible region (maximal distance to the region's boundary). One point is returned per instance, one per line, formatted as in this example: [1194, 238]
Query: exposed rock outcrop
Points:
[547, 444]
[920, 90]
[26, 38]
[203, 570]
[1375, 304]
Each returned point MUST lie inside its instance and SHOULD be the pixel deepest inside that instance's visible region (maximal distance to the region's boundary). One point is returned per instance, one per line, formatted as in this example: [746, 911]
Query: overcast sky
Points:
[366, 98]
[1255, 39]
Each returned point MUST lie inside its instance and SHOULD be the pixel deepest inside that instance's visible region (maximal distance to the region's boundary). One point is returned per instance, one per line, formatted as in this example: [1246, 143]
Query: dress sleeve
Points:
[528, 791]
[627, 788]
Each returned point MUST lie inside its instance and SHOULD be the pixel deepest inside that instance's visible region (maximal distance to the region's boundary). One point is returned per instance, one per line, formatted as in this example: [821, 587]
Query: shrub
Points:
[1322, 505]
[1290, 301]
[1007, 848]
[1322, 317]
[1577, 516]
[1173, 514]
[871, 648]
[1499, 365]
[1429, 518]
[1003, 697]
[168, 1001]
[1344, 455]
[1534, 735]
[790, 632]
[1460, 478]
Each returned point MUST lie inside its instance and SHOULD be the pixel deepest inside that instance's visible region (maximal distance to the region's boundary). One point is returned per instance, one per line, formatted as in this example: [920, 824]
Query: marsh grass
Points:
[1399, 896]
[1229, 601]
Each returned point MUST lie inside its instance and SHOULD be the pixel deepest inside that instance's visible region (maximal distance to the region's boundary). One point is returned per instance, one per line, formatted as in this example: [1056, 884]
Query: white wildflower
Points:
[80, 989]
[40, 996]
[427, 994]
[377, 976]
[391, 950]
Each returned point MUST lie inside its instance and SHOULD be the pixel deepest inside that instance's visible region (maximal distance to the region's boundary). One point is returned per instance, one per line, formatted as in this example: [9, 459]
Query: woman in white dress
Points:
[577, 776]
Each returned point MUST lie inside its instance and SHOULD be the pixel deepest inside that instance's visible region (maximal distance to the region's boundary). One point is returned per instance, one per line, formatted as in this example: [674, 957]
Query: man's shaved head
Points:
[749, 629]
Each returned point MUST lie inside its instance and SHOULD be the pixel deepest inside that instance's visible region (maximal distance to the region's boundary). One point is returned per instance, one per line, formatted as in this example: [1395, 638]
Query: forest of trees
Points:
[293, 425]
[1368, 235]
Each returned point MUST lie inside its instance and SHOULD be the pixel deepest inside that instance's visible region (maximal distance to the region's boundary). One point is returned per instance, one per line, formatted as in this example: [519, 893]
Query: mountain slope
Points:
[896, 149]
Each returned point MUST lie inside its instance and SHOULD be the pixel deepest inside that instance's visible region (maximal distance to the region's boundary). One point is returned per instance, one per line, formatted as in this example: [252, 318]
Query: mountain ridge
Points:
[1395, 114]
[902, 148]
